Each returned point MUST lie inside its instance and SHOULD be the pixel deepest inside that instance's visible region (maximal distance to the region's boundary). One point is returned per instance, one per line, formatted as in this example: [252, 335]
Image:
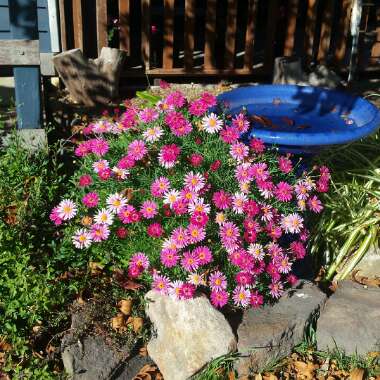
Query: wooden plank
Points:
[53, 26]
[124, 22]
[210, 34]
[272, 16]
[62, 23]
[375, 52]
[78, 24]
[145, 33]
[343, 31]
[229, 55]
[291, 27]
[168, 50]
[27, 79]
[189, 33]
[250, 34]
[325, 39]
[101, 24]
[310, 26]
[19, 53]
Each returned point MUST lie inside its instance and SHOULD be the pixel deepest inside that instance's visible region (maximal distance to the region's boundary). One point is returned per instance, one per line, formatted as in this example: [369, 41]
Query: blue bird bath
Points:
[302, 119]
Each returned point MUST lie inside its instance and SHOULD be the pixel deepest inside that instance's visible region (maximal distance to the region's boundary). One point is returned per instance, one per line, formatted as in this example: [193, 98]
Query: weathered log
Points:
[91, 82]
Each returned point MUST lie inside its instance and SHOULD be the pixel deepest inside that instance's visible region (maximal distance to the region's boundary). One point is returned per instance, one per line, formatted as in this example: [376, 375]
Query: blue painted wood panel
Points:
[43, 24]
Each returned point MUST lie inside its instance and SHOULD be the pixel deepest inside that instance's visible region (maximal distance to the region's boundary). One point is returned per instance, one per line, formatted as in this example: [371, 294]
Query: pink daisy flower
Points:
[190, 261]
[175, 99]
[283, 265]
[251, 208]
[153, 134]
[155, 230]
[229, 233]
[171, 196]
[196, 160]
[217, 281]
[199, 205]
[283, 191]
[315, 204]
[178, 124]
[239, 151]
[159, 187]
[149, 209]
[222, 200]
[140, 259]
[116, 202]
[180, 207]
[276, 289]
[175, 289]
[244, 278]
[208, 99]
[168, 155]
[126, 162]
[194, 181]
[104, 216]
[99, 147]
[161, 284]
[137, 149]
[243, 172]
[203, 254]
[100, 166]
[241, 123]
[198, 107]
[302, 192]
[83, 149]
[195, 233]
[256, 299]
[292, 280]
[147, 115]
[266, 188]
[180, 237]
[187, 291]
[257, 145]
[85, 180]
[66, 209]
[219, 298]
[292, 223]
[229, 135]
[127, 214]
[99, 232]
[238, 202]
[91, 200]
[256, 251]
[169, 257]
[241, 296]
[259, 171]
[199, 219]
[298, 249]
[54, 217]
[82, 239]
[285, 164]
[267, 213]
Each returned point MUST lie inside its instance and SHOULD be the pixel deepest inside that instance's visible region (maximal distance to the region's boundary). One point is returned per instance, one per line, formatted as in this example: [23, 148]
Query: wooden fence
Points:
[224, 37]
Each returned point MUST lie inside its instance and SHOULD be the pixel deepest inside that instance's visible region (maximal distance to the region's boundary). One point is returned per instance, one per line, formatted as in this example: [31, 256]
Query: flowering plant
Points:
[172, 193]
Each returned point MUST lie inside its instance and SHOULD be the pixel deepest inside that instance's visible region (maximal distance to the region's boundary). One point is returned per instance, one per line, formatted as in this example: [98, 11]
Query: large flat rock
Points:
[188, 334]
[350, 320]
[271, 332]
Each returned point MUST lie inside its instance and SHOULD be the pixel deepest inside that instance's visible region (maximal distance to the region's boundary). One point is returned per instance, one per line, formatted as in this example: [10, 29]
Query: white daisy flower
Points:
[82, 239]
[171, 196]
[238, 201]
[199, 205]
[116, 202]
[257, 251]
[153, 134]
[104, 216]
[211, 123]
[66, 209]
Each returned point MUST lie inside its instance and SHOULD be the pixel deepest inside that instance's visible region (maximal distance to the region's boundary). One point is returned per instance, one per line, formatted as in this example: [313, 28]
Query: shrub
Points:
[173, 194]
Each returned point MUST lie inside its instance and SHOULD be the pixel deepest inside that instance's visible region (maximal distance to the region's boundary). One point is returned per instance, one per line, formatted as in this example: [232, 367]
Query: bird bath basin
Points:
[302, 119]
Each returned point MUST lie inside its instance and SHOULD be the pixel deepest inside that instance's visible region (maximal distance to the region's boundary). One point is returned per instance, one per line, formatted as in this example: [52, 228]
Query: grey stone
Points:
[132, 367]
[369, 266]
[350, 320]
[32, 140]
[189, 334]
[271, 332]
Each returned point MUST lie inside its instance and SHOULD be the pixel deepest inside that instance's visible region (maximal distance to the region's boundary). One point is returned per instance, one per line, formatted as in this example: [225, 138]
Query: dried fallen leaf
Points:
[118, 321]
[143, 351]
[357, 374]
[96, 268]
[86, 221]
[124, 281]
[364, 280]
[125, 306]
[137, 324]
[149, 372]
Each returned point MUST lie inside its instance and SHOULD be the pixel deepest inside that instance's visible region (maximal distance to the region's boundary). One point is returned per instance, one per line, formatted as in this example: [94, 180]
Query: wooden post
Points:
[101, 24]
[210, 34]
[78, 24]
[189, 33]
[124, 22]
[291, 28]
[375, 52]
[23, 23]
[168, 51]
[250, 34]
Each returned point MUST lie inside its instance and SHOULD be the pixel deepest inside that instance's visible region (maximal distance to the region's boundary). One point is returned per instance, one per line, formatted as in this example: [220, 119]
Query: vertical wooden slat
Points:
[189, 33]
[375, 52]
[343, 31]
[124, 21]
[310, 26]
[167, 56]
[78, 24]
[145, 32]
[229, 55]
[210, 34]
[101, 24]
[63, 20]
[291, 27]
[272, 16]
[250, 34]
[325, 39]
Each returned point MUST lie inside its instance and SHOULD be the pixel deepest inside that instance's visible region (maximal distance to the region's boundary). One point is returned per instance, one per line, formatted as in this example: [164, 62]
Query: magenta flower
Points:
[155, 230]
[208, 99]
[241, 123]
[256, 299]
[99, 232]
[149, 209]
[196, 160]
[315, 204]
[241, 296]
[159, 187]
[187, 291]
[128, 214]
[283, 191]
[90, 200]
[285, 164]
[190, 261]
[99, 147]
[195, 233]
[203, 255]
[257, 145]
[244, 278]
[147, 115]
[199, 218]
[229, 135]
[161, 284]
[219, 298]
[222, 200]
[298, 249]
[217, 281]
[180, 237]
[54, 216]
[168, 155]
[239, 151]
[198, 107]
[85, 180]
[169, 257]
[276, 289]
[175, 99]
[137, 149]
[140, 259]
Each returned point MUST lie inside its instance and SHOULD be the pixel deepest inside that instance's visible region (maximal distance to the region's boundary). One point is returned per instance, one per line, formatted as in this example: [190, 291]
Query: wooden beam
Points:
[101, 24]
[53, 26]
[62, 21]
[250, 34]
[168, 50]
[78, 24]
[325, 39]
[229, 55]
[210, 34]
[271, 27]
[343, 31]
[124, 22]
[145, 33]
[189, 33]
[291, 27]
[375, 52]
[19, 53]
[310, 25]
